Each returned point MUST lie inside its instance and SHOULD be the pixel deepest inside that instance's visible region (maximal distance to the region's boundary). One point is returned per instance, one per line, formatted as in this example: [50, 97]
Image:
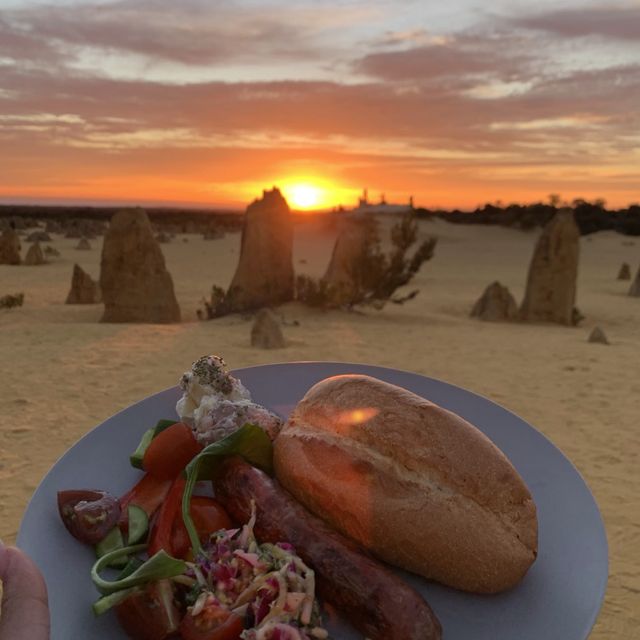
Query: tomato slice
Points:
[148, 494]
[208, 516]
[180, 542]
[212, 623]
[160, 535]
[170, 451]
[168, 531]
[150, 614]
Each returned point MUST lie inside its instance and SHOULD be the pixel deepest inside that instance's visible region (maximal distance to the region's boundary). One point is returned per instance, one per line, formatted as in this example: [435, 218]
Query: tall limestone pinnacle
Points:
[550, 295]
[135, 283]
[264, 275]
[354, 233]
[10, 247]
[84, 290]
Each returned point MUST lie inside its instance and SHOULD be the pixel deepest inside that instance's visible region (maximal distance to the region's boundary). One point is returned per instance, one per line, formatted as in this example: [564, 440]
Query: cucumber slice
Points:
[136, 457]
[106, 602]
[112, 541]
[138, 524]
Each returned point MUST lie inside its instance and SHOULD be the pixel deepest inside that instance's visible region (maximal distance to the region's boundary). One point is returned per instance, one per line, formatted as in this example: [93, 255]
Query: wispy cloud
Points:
[189, 32]
[22, 43]
[608, 21]
[414, 37]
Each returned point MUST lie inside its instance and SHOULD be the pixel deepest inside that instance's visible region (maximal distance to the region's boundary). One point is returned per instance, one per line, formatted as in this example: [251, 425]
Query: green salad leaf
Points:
[250, 442]
[159, 566]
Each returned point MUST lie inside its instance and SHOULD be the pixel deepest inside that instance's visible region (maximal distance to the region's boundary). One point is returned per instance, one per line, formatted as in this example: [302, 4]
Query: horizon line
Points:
[27, 201]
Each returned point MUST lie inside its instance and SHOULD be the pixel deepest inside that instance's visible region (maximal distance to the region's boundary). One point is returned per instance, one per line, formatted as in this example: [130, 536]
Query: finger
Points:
[25, 611]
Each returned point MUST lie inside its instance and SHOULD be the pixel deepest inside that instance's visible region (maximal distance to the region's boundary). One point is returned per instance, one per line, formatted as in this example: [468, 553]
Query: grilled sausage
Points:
[378, 603]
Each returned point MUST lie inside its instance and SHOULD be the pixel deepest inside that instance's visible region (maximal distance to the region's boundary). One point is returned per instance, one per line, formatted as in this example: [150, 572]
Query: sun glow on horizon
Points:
[314, 193]
[305, 196]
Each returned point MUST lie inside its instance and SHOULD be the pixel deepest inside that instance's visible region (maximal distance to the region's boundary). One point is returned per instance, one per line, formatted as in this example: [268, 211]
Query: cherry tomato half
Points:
[88, 514]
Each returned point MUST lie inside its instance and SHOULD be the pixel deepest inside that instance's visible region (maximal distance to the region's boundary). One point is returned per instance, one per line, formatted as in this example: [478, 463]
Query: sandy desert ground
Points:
[62, 372]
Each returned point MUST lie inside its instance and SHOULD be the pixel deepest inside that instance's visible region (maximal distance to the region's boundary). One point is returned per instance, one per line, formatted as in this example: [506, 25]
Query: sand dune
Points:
[63, 372]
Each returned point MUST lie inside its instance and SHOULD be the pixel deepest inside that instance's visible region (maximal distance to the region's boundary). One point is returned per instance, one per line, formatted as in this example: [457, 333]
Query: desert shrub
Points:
[221, 303]
[217, 305]
[11, 300]
[375, 274]
[315, 293]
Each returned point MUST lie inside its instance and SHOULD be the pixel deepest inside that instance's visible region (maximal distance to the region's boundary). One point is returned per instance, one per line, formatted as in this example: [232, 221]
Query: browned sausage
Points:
[372, 597]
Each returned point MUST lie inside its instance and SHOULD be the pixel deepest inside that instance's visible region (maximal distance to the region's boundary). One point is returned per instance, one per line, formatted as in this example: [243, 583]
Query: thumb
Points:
[24, 612]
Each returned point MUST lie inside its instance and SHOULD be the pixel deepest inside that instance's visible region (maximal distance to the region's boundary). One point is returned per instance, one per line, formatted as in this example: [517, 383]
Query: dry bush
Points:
[11, 300]
[375, 274]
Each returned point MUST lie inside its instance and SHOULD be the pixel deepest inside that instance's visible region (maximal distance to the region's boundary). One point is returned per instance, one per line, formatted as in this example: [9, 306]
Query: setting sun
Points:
[304, 196]
[304, 193]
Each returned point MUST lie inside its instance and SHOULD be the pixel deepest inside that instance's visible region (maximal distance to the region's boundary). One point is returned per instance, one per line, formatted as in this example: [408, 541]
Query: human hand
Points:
[24, 611]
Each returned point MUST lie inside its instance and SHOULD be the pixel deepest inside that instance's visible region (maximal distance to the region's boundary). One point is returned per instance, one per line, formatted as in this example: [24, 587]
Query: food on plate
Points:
[88, 515]
[375, 600]
[235, 588]
[267, 586]
[181, 568]
[215, 404]
[150, 612]
[170, 451]
[381, 468]
[169, 532]
[414, 483]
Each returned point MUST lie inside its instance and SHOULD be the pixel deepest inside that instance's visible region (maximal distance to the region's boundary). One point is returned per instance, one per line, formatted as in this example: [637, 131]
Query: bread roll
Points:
[415, 484]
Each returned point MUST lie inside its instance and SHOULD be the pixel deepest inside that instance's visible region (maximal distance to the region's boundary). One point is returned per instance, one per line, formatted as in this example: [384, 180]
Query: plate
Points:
[559, 598]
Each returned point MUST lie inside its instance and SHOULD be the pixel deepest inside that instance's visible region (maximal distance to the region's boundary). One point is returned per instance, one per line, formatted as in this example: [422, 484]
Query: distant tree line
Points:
[174, 218]
[590, 216]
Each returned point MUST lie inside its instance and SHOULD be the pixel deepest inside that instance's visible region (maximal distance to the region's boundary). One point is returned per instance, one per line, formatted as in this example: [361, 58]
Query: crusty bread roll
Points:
[415, 484]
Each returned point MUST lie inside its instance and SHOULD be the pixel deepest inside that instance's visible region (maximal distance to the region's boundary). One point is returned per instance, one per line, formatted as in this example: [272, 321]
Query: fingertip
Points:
[25, 609]
[21, 575]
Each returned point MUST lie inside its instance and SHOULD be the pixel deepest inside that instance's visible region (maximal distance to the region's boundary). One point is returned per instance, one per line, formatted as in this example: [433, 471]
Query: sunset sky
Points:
[206, 102]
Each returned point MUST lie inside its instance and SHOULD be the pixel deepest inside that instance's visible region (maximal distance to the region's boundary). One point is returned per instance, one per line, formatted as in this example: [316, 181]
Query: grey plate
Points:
[559, 598]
